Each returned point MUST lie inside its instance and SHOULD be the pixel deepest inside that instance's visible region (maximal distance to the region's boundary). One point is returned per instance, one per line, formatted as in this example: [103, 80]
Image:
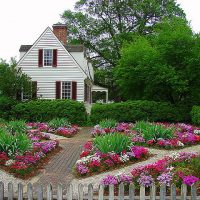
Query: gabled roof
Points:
[70, 48]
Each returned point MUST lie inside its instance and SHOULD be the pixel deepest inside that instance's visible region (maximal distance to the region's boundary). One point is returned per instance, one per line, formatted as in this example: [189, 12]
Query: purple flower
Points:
[109, 180]
[145, 180]
[190, 180]
[165, 178]
[82, 169]
[125, 178]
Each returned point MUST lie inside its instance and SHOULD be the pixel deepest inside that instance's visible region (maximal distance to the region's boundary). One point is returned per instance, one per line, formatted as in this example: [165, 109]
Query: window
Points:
[66, 90]
[48, 57]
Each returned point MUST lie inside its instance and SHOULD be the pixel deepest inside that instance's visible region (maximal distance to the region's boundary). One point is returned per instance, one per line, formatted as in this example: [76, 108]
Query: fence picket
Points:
[80, 192]
[163, 192]
[1, 190]
[183, 192]
[173, 192]
[49, 192]
[90, 192]
[131, 191]
[39, 192]
[69, 192]
[30, 191]
[111, 192]
[20, 191]
[193, 192]
[60, 192]
[121, 192]
[153, 192]
[142, 192]
[101, 192]
[10, 191]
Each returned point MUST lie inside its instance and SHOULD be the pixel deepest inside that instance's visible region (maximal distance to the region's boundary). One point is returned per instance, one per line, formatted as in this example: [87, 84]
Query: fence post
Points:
[142, 192]
[153, 192]
[80, 192]
[101, 192]
[111, 192]
[10, 191]
[49, 192]
[20, 191]
[121, 192]
[173, 192]
[193, 192]
[183, 192]
[90, 192]
[131, 191]
[69, 192]
[1, 190]
[30, 191]
[39, 192]
[60, 192]
[163, 192]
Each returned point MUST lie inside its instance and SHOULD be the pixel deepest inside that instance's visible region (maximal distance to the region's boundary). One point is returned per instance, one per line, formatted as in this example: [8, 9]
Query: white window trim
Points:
[62, 87]
[43, 57]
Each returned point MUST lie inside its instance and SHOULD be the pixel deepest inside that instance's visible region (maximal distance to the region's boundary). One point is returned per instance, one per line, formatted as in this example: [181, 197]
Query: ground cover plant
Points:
[57, 126]
[178, 168]
[108, 152]
[23, 151]
[160, 135]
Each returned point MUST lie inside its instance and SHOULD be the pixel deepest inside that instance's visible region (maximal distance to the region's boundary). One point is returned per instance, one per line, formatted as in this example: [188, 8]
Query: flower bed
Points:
[68, 131]
[93, 161]
[160, 135]
[182, 168]
[23, 154]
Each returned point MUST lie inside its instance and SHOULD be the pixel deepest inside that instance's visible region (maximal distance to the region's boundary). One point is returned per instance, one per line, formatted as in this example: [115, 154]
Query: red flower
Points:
[84, 154]
[3, 158]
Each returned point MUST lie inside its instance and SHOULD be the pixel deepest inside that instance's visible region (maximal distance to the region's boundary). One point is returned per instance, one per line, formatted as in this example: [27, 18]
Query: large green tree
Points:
[13, 81]
[103, 25]
[164, 66]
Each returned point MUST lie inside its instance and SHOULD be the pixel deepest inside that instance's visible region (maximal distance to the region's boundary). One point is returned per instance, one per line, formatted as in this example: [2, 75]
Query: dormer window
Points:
[48, 57]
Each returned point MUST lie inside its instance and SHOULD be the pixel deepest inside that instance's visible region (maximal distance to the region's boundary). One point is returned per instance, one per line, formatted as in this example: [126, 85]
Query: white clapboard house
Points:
[58, 70]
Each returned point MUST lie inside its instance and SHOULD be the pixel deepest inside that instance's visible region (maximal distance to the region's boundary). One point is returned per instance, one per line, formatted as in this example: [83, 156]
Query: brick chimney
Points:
[60, 30]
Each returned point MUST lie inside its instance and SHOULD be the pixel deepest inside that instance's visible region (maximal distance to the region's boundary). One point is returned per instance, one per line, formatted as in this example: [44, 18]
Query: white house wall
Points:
[46, 76]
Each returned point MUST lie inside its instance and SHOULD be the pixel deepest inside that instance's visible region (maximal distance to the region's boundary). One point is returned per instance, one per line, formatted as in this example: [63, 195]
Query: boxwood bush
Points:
[6, 105]
[132, 111]
[46, 110]
[195, 114]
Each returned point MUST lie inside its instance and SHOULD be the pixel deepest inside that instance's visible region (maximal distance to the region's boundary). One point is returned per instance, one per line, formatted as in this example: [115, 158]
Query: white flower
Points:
[9, 162]
[174, 156]
[197, 132]
[180, 144]
[124, 158]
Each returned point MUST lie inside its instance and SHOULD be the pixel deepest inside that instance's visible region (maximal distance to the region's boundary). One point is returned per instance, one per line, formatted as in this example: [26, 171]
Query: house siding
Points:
[67, 69]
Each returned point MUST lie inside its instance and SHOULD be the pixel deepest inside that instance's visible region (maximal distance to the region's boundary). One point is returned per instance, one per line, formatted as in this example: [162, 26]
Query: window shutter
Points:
[74, 90]
[40, 58]
[34, 89]
[85, 92]
[55, 56]
[58, 89]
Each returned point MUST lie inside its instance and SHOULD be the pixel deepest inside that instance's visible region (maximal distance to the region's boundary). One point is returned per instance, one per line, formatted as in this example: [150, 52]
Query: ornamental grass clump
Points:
[114, 142]
[59, 122]
[16, 127]
[107, 123]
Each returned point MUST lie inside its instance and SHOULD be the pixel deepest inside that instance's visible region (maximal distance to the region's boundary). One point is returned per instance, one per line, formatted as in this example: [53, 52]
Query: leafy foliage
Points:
[13, 81]
[46, 110]
[163, 66]
[59, 122]
[114, 142]
[108, 123]
[153, 131]
[12, 144]
[195, 113]
[132, 111]
[16, 127]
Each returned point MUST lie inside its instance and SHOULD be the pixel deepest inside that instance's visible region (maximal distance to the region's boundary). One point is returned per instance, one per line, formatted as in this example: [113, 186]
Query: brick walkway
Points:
[59, 169]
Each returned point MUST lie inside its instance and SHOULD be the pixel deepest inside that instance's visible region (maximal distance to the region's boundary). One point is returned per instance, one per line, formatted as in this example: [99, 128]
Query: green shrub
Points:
[12, 144]
[114, 142]
[195, 114]
[132, 111]
[59, 122]
[46, 110]
[108, 123]
[15, 127]
[6, 105]
[153, 131]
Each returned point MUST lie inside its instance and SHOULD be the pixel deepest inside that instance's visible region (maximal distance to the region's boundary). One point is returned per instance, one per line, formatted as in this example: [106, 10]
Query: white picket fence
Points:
[67, 192]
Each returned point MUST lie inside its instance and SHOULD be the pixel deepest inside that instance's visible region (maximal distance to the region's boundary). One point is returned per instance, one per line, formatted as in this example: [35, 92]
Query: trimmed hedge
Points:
[132, 111]
[6, 105]
[46, 110]
[195, 114]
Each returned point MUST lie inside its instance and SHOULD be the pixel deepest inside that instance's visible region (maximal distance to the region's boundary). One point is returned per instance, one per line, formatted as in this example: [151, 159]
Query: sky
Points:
[22, 21]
